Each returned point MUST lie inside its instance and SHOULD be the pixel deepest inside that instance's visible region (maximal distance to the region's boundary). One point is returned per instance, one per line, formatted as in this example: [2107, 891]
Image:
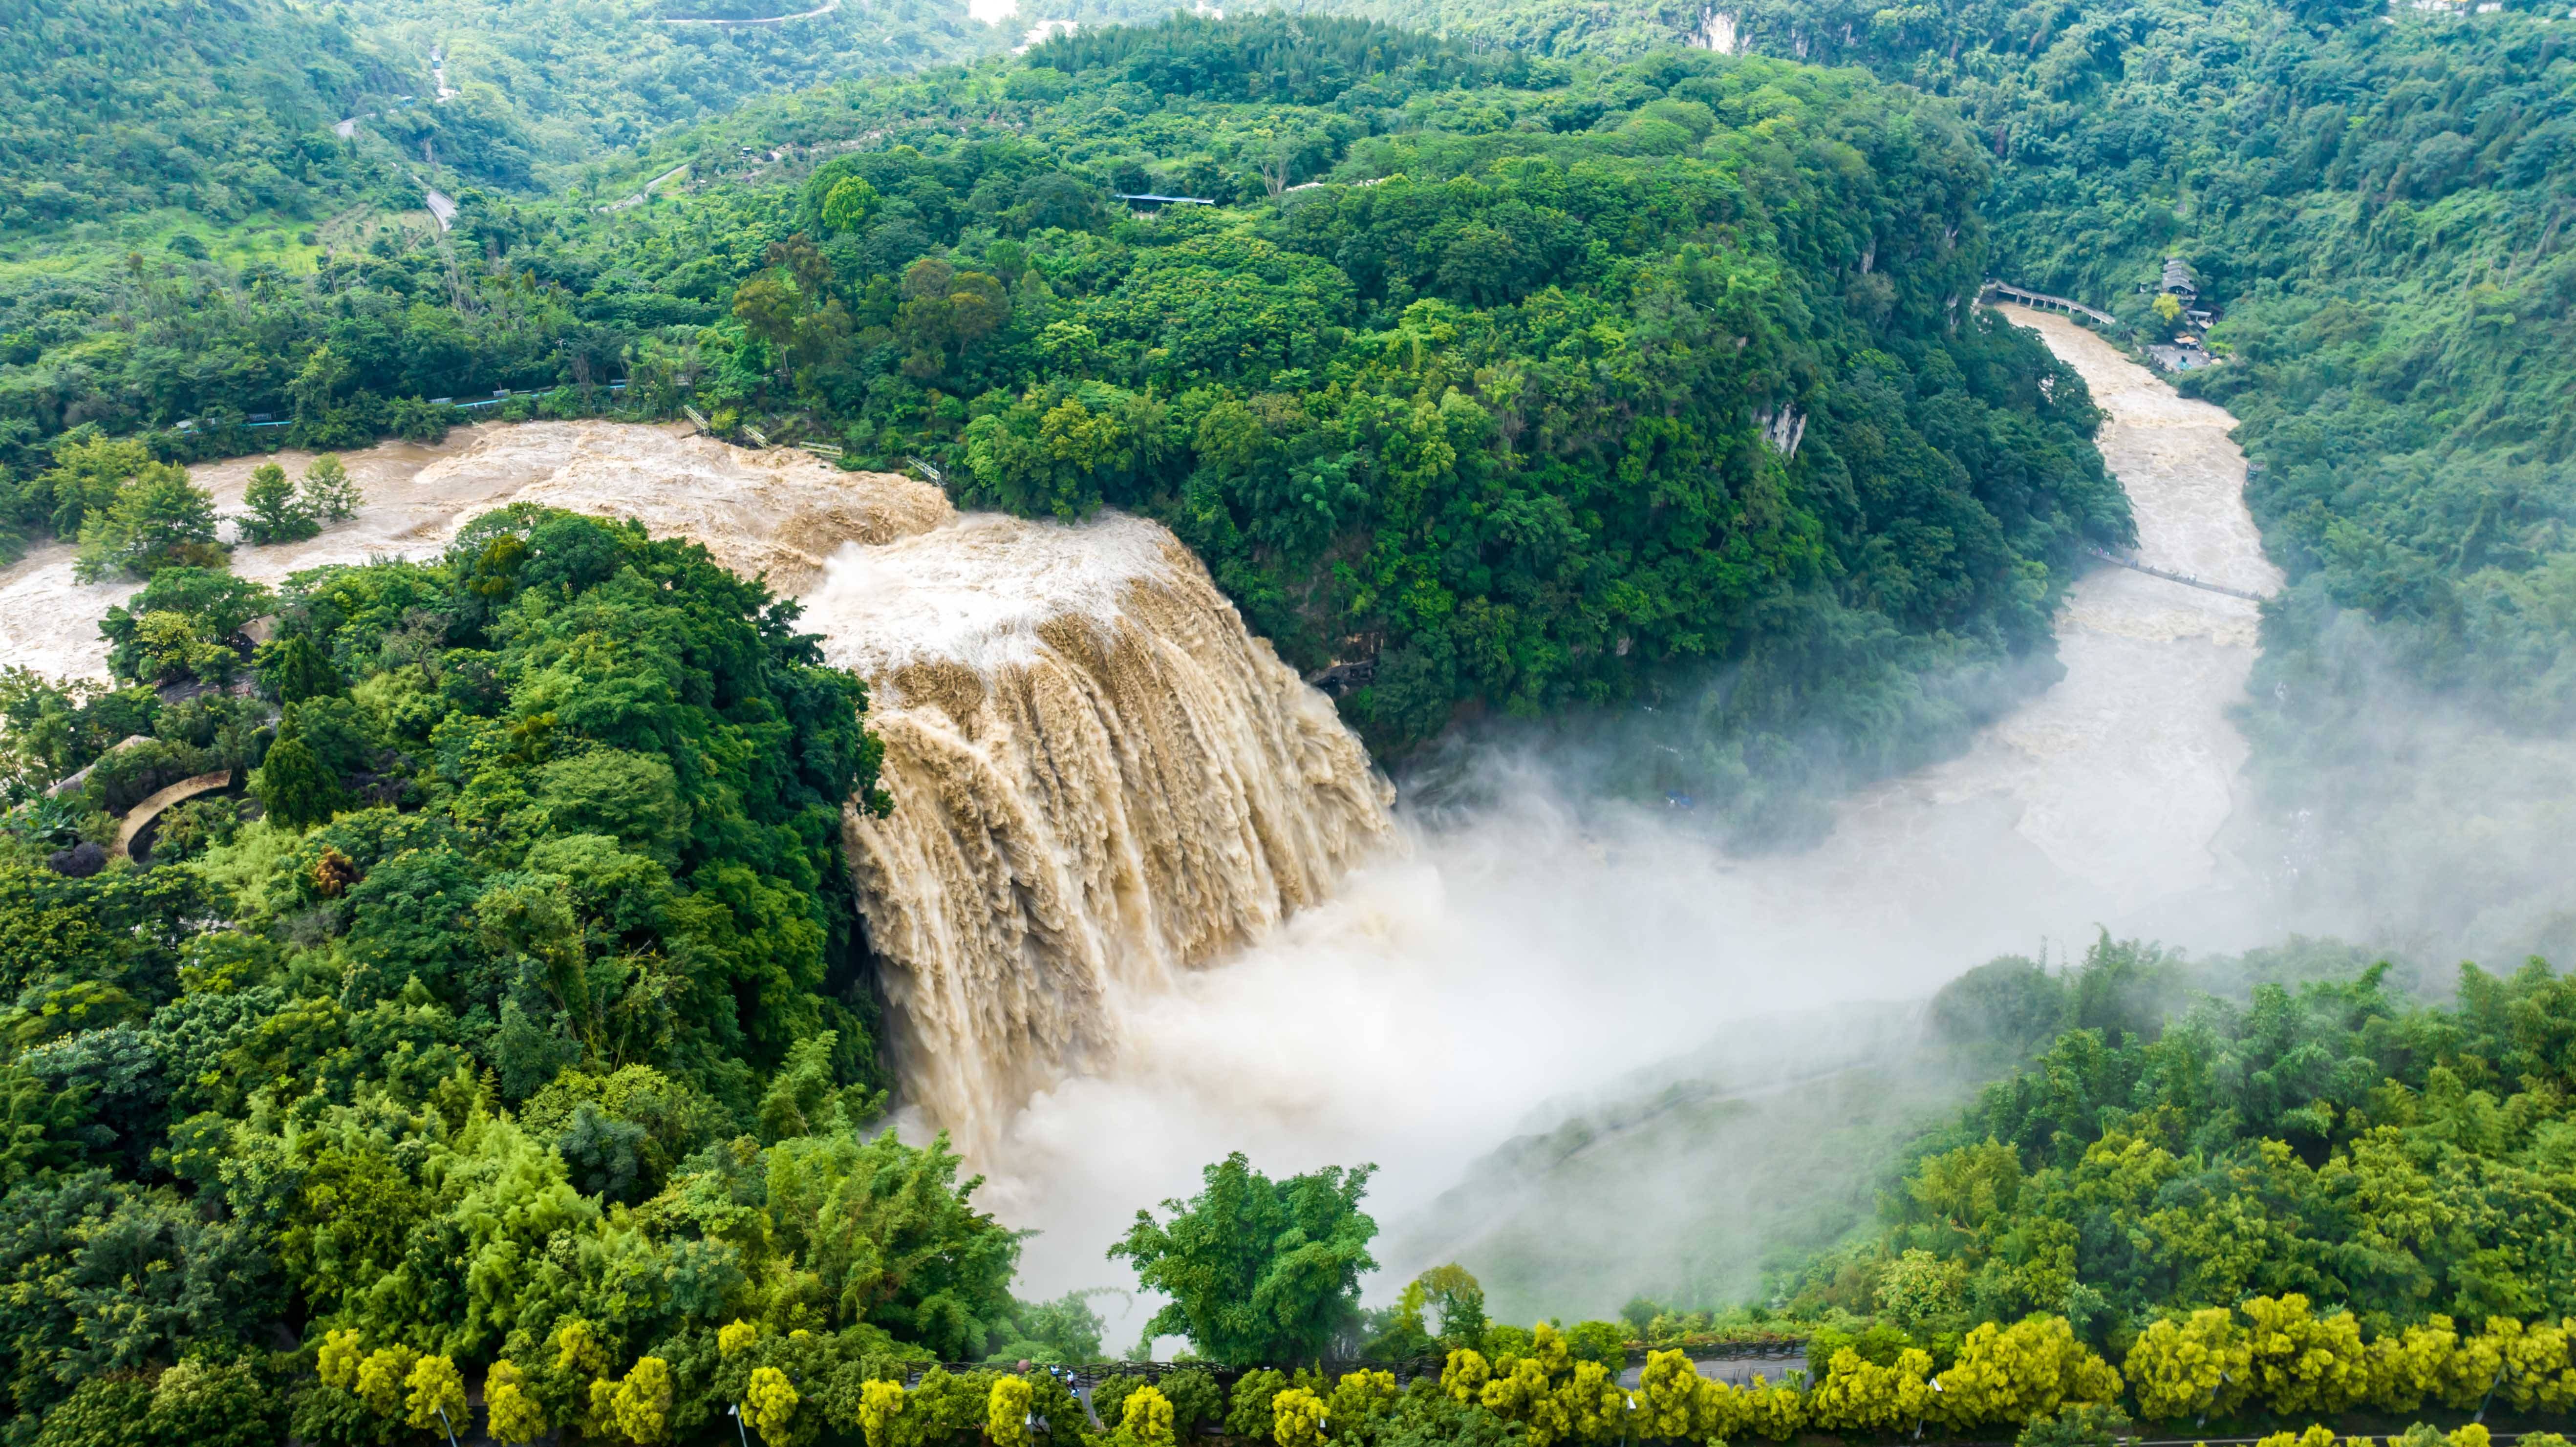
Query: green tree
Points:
[87, 475]
[276, 516]
[849, 204]
[293, 669]
[158, 520]
[292, 783]
[328, 490]
[1256, 1270]
[220, 1404]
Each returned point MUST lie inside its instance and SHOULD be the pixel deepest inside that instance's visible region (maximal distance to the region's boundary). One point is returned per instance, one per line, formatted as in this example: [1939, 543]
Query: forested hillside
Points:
[581, 80]
[113, 106]
[2378, 206]
[541, 916]
[1480, 388]
[2375, 200]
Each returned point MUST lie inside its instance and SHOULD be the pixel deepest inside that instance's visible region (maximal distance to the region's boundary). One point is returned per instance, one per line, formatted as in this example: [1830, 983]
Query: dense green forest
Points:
[535, 914]
[2376, 200]
[117, 107]
[120, 107]
[580, 81]
[1488, 390]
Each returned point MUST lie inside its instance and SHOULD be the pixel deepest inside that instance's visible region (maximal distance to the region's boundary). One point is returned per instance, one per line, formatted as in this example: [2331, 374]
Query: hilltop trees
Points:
[1655, 386]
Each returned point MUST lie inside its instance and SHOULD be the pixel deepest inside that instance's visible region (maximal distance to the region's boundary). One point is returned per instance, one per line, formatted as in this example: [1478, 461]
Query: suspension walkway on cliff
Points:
[2024, 297]
[2186, 579]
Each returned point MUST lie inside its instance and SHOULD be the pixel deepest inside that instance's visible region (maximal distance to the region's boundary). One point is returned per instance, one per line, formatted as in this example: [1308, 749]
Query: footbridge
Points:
[2186, 579]
[2021, 296]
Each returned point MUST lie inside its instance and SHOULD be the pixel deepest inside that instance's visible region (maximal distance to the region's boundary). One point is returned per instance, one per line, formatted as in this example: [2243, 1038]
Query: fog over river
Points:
[1099, 1007]
[1421, 1016]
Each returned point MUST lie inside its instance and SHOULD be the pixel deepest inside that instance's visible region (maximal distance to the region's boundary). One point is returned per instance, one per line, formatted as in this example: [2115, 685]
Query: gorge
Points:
[1142, 898]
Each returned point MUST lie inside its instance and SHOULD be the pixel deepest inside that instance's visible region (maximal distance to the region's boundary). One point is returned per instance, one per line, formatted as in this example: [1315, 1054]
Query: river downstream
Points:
[1446, 1001]
[2102, 801]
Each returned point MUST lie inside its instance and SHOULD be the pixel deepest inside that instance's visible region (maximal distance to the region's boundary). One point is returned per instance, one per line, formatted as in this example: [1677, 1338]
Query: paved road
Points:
[443, 207]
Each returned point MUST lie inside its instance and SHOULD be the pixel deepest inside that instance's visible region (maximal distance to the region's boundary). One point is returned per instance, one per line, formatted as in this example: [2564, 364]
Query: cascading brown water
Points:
[1100, 777]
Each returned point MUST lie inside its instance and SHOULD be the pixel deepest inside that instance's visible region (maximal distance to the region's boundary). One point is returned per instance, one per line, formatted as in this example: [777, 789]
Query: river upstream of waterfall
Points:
[1143, 902]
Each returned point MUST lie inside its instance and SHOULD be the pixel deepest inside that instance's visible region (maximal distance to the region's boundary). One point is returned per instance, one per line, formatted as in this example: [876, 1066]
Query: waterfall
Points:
[1101, 778]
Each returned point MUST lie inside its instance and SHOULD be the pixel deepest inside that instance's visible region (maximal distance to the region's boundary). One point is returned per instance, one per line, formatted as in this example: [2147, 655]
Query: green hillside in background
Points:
[580, 81]
[113, 106]
[1483, 390]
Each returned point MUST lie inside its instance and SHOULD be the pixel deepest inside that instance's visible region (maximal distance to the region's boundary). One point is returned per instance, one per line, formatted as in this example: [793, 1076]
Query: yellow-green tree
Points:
[435, 1395]
[2406, 1367]
[2314, 1436]
[1361, 1397]
[382, 1378]
[2190, 1366]
[641, 1407]
[1858, 1395]
[1776, 1411]
[514, 1415]
[2304, 1365]
[339, 1358]
[770, 1405]
[736, 1336]
[1676, 1403]
[2537, 1373]
[880, 1408]
[1519, 1392]
[1465, 1374]
[1006, 1412]
[2007, 1375]
[1146, 1416]
[1590, 1404]
[1297, 1418]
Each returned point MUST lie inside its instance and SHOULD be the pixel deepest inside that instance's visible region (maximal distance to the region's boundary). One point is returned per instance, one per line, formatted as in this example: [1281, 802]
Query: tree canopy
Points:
[1257, 1270]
